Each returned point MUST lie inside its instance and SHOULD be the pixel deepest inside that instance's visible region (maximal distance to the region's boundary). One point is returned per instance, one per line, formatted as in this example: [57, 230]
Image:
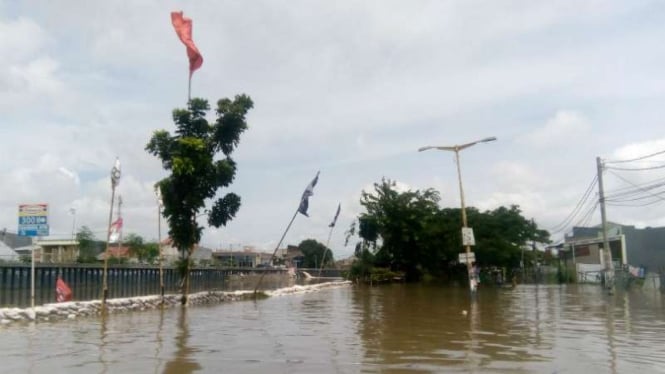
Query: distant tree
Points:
[315, 252]
[406, 232]
[402, 222]
[87, 245]
[150, 252]
[144, 252]
[500, 234]
[191, 155]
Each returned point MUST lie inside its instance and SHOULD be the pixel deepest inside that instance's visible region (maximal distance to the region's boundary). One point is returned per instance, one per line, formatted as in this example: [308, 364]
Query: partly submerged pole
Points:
[256, 289]
[323, 259]
[158, 192]
[115, 179]
[607, 251]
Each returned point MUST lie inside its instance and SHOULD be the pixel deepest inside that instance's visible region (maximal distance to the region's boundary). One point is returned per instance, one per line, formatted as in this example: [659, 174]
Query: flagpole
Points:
[326, 250]
[159, 243]
[275, 251]
[115, 179]
[105, 289]
[189, 88]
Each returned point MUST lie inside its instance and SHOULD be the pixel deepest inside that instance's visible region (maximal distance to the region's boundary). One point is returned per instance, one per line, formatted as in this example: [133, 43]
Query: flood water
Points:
[349, 329]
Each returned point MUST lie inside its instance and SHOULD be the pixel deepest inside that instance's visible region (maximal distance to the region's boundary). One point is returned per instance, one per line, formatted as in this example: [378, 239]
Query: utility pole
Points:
[607, 252]
[120, 218]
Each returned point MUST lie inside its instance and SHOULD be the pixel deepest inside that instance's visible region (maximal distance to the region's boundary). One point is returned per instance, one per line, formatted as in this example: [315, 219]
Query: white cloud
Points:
[566, 127]
[350, 88]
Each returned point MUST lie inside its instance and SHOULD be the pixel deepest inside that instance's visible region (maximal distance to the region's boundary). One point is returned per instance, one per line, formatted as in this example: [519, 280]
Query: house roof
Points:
[117, 252]
[13, 240]
[6, 253]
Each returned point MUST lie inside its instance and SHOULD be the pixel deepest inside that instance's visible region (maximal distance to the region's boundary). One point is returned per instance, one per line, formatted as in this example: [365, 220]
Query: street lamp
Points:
[73, 213]
[160, 205]
[115, 180]
[467, 234]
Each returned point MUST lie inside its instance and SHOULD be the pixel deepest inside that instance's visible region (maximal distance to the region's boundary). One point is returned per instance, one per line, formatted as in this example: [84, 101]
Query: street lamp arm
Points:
[457, 148]
[442, 148]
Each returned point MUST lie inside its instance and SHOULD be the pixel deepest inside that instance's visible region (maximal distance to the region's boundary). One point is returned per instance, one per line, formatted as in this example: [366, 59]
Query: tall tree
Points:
[198, 171]
[401, 221]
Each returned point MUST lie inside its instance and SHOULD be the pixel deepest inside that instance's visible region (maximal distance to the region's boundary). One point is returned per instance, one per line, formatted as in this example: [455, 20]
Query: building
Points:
[118, 252]
[249, 257]
[629, 245]
[7, 254]
[293, 256]
[13, 240]
[171, 255]
[51, 251]
[201, 255]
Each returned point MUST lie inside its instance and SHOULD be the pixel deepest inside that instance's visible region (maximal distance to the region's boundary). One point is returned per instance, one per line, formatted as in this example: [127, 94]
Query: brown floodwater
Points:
[386, 329]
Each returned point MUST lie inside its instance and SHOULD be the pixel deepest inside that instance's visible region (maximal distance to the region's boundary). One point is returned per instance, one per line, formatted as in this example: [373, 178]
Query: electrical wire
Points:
[571, 216]
[635, 192]
[635, 205]
[635, 159]
[636, 169]
[636, 186]
[587, 216]
[620, 189]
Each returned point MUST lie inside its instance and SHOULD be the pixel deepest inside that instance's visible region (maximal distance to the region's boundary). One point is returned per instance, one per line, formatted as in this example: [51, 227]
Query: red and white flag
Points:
[114, 230]
[183, 27]
[62, 291]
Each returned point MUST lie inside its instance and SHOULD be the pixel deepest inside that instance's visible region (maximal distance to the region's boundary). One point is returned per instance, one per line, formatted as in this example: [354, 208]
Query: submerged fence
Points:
[85, 281]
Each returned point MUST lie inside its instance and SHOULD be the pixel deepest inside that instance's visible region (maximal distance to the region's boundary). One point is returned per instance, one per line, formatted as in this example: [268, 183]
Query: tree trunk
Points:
[184, 274]
[185, 288]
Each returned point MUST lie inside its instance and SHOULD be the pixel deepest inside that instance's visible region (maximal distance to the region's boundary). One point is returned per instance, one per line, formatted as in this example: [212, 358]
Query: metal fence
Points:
[86, 281]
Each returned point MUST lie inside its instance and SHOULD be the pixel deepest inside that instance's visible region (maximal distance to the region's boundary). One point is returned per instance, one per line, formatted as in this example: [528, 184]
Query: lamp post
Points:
[73, 212]
[115, 180]
[467, 241]
[160, 204]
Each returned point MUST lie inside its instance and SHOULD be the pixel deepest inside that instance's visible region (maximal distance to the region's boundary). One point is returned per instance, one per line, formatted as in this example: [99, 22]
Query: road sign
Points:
[33, 220]
[462, 257]
[467, 236]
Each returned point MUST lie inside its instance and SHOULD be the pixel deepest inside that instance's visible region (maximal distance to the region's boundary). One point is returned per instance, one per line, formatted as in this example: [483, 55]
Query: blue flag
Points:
[336, 215]
[309, 191]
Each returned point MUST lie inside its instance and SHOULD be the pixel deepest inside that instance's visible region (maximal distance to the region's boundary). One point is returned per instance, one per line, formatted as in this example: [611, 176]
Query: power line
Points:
[652, 182]
[637, 169]
[571, 216]
[636, 186]
[635, 191]
[635, 159]
[587, 216]
[636, 205]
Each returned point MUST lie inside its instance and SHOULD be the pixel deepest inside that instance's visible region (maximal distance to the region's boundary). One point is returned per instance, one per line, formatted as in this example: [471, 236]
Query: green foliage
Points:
[144, 252]
[196, 174]
[408, 233]
[403, 221]
[197, 170]
[314, 252]
[87, 245]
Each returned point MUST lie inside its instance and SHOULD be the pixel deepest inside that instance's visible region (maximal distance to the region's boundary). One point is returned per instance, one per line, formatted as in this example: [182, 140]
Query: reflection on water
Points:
[182, 362]
[387, 329]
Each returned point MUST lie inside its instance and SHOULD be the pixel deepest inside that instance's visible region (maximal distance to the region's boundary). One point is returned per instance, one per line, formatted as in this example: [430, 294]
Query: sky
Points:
[351, 89]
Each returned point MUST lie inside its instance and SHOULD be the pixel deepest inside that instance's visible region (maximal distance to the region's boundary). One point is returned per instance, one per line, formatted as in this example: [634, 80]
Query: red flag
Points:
[115, 230]
[183, 27]
[62, 291]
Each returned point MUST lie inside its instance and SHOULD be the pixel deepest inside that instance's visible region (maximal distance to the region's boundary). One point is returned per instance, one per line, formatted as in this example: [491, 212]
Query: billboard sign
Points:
[33, 220]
